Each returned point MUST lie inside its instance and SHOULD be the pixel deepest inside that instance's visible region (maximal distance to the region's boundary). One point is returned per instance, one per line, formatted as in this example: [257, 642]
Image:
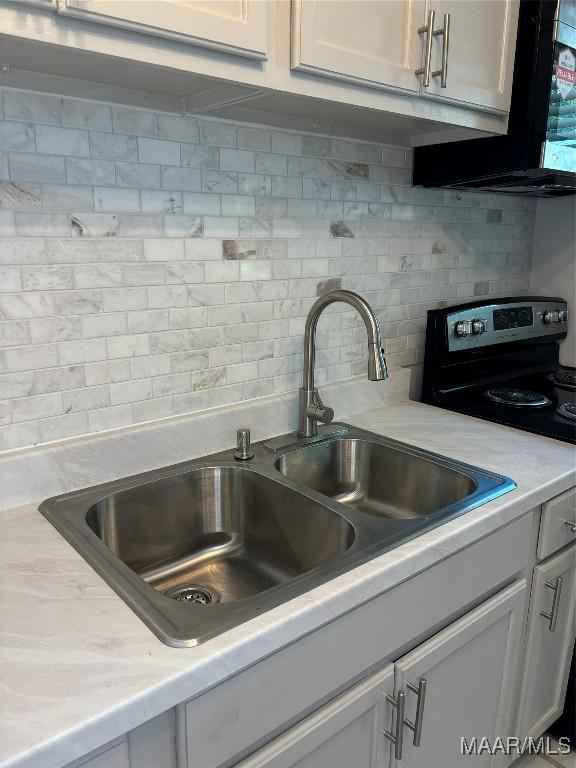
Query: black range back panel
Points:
[511, 163]
[522, 348]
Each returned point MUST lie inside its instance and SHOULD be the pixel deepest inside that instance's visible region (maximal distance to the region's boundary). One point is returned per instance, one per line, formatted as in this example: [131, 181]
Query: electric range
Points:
[499, 360]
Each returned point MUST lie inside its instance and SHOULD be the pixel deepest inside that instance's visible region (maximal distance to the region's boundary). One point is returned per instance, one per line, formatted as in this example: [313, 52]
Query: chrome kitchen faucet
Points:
[312, 409]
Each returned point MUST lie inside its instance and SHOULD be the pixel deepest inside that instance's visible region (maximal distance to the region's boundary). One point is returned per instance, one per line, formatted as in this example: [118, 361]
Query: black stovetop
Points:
[544, 421]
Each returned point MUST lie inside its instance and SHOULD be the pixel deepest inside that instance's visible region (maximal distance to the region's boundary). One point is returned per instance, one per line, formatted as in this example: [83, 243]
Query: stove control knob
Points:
[463, 328]
[550, 317]
[479, 326]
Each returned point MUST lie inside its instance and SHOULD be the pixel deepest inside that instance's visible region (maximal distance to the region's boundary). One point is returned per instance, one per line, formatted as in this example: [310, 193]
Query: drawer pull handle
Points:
[556, 587]
[571, 525]
[416, 726]
[397, 738]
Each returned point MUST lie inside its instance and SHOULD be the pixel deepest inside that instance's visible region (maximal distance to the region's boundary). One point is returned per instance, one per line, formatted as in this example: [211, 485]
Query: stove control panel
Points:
[504, 323]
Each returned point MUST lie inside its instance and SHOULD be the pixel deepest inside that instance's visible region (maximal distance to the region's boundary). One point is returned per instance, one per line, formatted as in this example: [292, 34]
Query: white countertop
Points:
[78, 668]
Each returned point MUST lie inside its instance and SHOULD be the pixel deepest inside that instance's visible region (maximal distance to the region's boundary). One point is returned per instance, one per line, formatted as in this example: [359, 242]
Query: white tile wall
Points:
[152, 264]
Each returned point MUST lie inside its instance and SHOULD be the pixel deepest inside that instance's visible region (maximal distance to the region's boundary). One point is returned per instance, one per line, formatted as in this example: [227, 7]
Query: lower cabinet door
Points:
[346, 733]
[549, 644]
[464, 679]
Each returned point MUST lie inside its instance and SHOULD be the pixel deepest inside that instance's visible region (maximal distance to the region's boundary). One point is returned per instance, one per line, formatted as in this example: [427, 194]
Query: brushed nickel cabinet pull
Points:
[445, 33]
[397, 738]
[416, 726]
[427, 30]
[556, 587]
[570, 525]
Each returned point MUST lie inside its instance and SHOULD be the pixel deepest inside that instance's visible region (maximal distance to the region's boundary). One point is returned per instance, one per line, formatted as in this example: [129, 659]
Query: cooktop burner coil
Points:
[568, 410]
[564, 377]
[517, 398]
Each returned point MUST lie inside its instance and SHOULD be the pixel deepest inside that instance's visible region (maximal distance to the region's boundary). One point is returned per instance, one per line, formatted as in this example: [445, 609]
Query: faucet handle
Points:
[317, 410]
[243, 450]
[324, 414]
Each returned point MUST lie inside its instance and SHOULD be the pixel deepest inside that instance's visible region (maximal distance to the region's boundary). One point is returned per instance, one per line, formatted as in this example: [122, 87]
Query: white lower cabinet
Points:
[470, 671]
[346, 732]
[549, 643]
[459, 683]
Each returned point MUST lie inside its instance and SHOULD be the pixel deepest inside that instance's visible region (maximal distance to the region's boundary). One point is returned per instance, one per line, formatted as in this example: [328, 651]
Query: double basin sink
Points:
[198, 548]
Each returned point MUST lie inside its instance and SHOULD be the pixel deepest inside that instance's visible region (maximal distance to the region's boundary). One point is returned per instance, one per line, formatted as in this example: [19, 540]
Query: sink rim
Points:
[182, 625]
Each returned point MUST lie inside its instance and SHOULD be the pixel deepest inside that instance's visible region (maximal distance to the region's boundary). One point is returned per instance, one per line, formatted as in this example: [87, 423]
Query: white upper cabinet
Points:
[384, 43]
[365, 41]
[51, 4]
[479, 51]
[233, 26]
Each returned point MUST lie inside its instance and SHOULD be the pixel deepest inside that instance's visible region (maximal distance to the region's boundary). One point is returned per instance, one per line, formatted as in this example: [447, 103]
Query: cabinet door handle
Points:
[397, 738]
[427, 30]
[570, 525]
[416, 726]
[445, 33]
[556, 587]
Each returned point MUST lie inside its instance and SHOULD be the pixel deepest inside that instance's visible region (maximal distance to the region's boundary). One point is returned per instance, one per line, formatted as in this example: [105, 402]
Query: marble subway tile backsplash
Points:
[153, 264]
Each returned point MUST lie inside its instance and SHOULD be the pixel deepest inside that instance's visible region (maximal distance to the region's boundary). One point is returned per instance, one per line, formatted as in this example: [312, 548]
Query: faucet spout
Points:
[312, 409]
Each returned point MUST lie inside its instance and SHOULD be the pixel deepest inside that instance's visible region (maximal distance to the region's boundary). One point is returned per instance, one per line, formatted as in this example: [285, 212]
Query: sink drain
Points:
[194, 593]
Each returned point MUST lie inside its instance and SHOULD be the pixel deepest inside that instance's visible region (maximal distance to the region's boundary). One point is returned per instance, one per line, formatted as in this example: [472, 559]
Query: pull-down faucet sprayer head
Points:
[377, 368]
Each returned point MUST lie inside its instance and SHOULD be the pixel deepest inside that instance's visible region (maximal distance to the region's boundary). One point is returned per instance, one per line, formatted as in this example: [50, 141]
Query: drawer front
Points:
[558, 523]
[237, 717]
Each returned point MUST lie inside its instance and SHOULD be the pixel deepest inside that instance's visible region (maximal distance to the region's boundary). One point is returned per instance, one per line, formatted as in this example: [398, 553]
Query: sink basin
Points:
[198, 548]
[377, 479]
[218, 534]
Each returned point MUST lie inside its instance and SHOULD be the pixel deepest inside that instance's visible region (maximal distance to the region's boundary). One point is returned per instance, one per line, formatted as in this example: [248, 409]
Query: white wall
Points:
[554, 261]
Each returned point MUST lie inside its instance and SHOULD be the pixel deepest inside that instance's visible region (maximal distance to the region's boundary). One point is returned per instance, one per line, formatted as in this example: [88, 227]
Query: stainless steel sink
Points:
[203, 546]
[218, 534]
[376, 478]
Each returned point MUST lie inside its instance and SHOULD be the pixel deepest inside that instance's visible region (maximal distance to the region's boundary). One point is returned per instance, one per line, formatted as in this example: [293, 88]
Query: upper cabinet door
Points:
[470, 673]
[549, 644]
[233, 26]
[370, 42]
[480, 54]
[50, 4]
